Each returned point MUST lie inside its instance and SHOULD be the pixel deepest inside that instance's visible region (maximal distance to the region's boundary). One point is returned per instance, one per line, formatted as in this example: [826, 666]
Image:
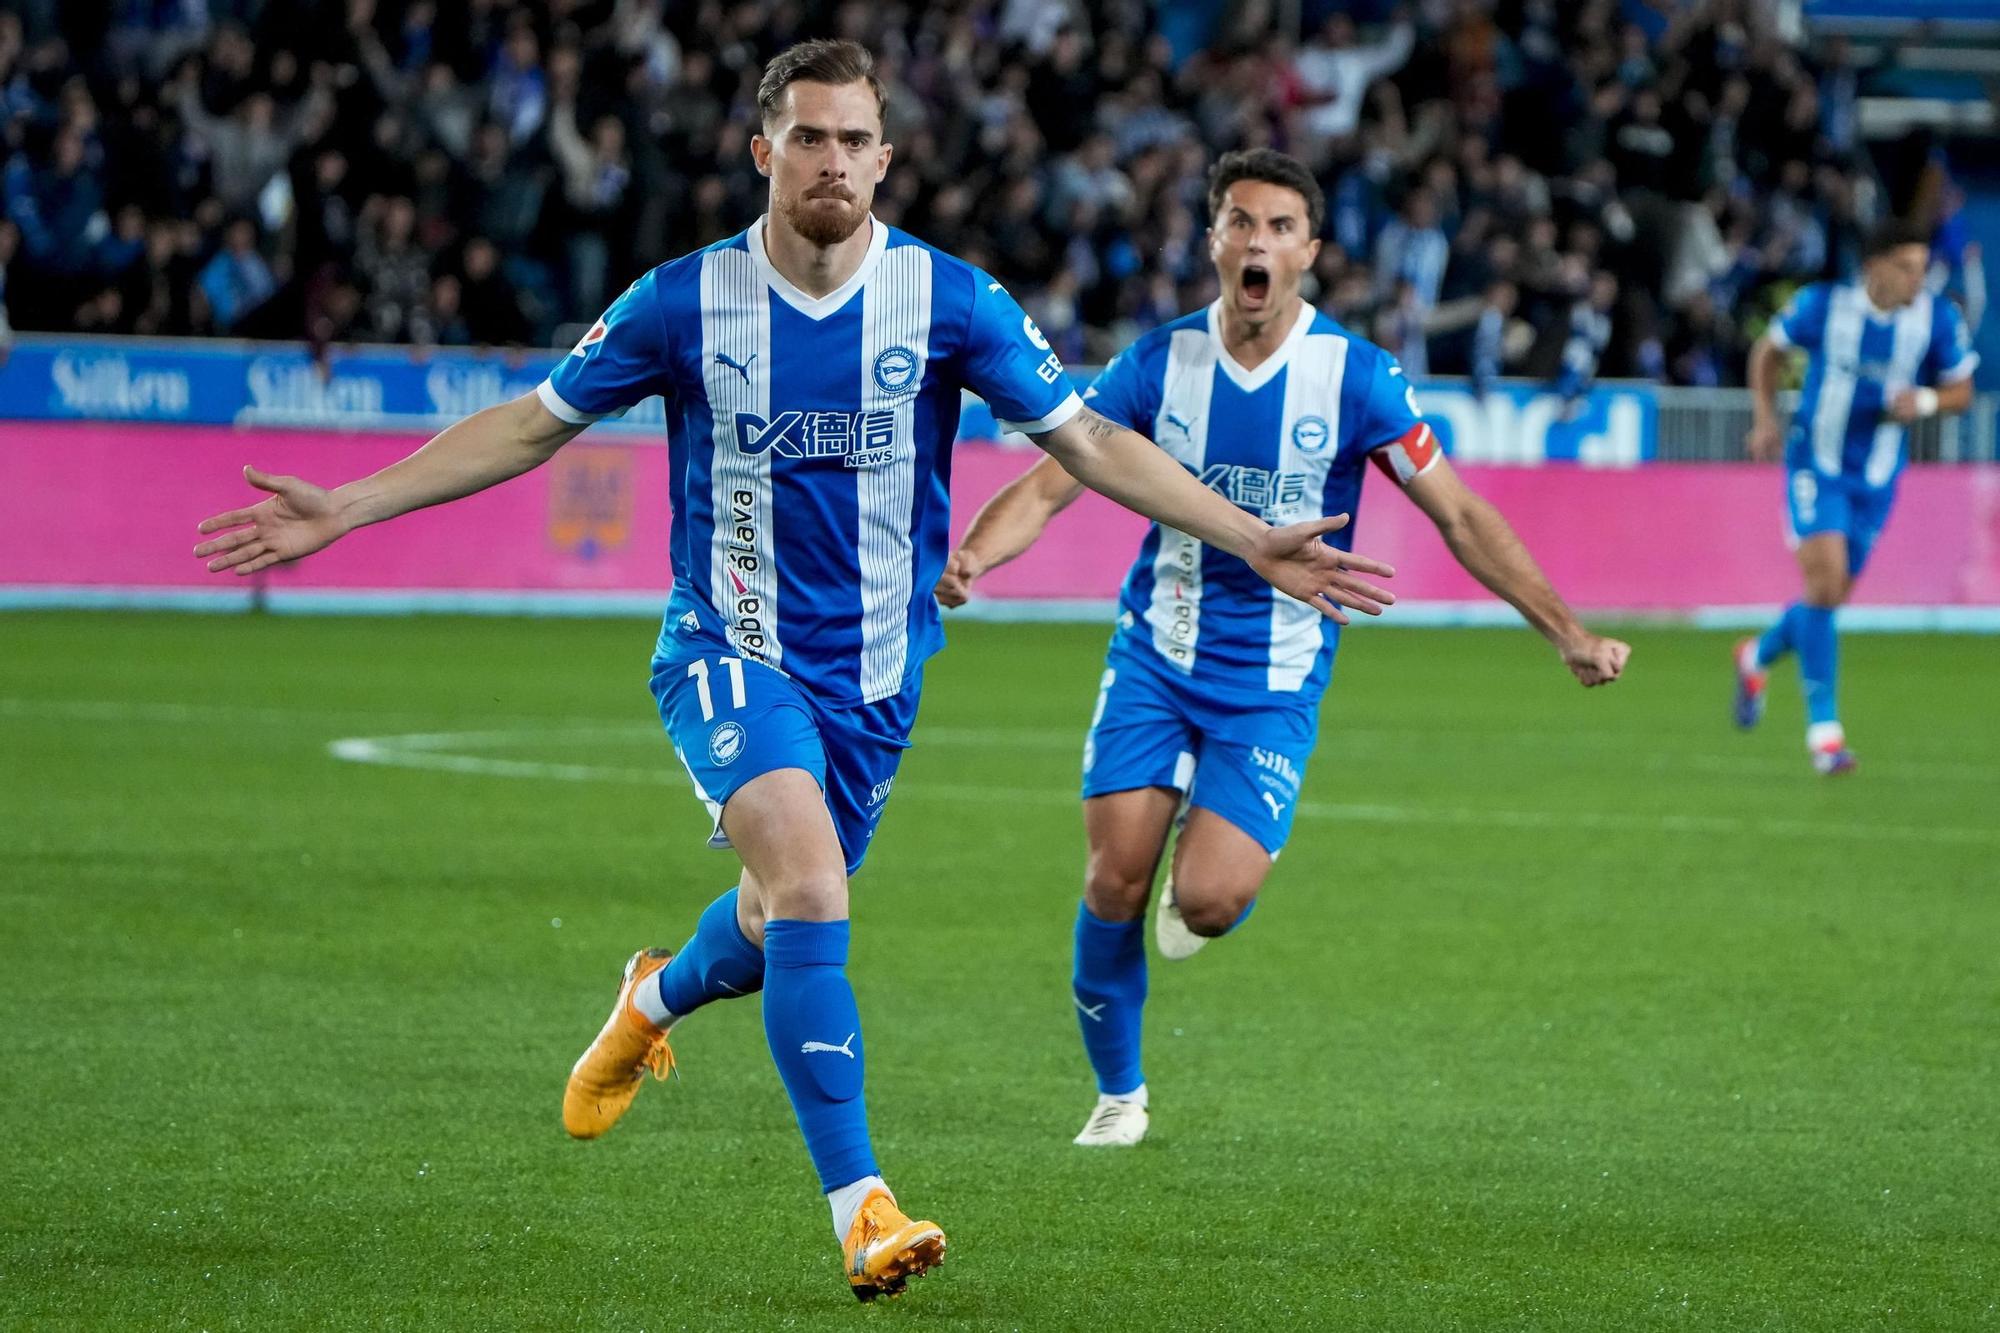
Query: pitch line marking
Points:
[431, 751]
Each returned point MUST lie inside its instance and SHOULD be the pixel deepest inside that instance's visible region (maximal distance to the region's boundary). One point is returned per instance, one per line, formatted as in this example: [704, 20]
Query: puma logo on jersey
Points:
[740, 367]
[845, 1048]
[1184, 424]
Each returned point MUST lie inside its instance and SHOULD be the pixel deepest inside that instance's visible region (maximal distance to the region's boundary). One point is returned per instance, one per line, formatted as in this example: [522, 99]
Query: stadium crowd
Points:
[1557, 188]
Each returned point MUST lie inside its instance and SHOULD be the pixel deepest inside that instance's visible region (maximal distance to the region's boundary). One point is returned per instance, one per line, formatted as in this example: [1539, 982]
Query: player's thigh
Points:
[1126, 831]
[1818, 517]
[751, 744]
[793, 870]
[1219, 868]
[1824, 560]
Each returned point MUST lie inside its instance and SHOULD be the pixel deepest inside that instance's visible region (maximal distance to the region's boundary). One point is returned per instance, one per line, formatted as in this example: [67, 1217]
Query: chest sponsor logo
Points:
[856, 439]
[1257, 489]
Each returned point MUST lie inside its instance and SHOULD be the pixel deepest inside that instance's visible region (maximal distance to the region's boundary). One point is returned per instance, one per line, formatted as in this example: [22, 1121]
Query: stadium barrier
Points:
[103, 514]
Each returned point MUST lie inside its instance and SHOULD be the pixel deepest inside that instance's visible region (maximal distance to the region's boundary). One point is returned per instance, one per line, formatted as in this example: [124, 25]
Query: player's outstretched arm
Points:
[1128, 468]
[1007, 525]
[1492, 552]
[299, 518]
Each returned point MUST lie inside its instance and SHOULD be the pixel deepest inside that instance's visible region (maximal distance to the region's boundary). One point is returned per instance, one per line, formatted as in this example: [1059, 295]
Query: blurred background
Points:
[1569, 221]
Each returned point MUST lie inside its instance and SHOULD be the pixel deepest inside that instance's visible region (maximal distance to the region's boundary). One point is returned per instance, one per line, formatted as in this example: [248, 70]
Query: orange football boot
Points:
[607, 1076]
[885, 1249]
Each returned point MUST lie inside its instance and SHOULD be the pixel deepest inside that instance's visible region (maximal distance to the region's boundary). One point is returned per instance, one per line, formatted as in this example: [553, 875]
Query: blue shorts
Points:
[1843, 504]
[1153, 728]
[732, 719]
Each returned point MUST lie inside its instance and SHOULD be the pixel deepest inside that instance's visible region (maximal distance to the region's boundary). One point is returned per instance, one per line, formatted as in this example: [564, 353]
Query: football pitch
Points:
[1564, 1009]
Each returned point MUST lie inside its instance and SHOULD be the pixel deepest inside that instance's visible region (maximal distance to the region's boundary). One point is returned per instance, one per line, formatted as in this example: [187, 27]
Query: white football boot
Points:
[1116, 1122]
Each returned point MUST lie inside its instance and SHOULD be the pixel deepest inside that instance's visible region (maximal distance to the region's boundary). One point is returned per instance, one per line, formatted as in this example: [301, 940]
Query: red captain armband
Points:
[1407, 458]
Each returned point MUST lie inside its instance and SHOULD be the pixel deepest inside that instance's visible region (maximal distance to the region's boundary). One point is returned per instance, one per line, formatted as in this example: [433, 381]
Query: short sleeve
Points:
[1802, 324]
[621, 361]
[1009, 364]
[1125, 394]
[1950, 357]
[1391, 429]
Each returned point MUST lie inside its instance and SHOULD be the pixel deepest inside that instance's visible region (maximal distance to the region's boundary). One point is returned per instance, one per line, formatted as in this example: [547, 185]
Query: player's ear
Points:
[760, 154]
[882, 156]
[1312, 252]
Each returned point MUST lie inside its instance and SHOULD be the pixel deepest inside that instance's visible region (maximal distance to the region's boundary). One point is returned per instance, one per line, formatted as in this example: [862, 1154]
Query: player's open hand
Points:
[954, 587]
[1294, 560]
[297, 520]
[1595, 660]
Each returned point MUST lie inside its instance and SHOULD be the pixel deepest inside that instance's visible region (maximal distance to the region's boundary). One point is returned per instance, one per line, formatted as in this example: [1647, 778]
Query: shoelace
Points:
[659, 1058]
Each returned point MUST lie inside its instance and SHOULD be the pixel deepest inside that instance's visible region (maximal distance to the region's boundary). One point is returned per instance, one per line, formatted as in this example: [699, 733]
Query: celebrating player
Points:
[812, 368]
[1212, 685]
[1881, 352]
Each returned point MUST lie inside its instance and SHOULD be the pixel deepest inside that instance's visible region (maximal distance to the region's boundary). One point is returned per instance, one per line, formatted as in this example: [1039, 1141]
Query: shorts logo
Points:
[880, 791]
[725, 743]
[896, 371]
[1310, 434]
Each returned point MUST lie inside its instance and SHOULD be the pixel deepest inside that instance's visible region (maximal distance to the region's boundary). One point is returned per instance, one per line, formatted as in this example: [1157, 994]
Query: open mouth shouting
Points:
[1256, 286]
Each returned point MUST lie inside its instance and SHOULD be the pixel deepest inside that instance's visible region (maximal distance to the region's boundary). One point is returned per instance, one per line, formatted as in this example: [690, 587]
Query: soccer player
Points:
[1881, 352]
[812, 368]
[1211, 689]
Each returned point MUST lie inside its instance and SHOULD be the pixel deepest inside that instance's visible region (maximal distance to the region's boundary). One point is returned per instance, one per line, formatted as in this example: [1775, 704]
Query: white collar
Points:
[1252, 380]
[818, 307]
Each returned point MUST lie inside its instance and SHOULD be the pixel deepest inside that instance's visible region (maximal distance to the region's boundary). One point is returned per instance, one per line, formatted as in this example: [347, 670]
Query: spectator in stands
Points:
[237, 280]
[1413, 249]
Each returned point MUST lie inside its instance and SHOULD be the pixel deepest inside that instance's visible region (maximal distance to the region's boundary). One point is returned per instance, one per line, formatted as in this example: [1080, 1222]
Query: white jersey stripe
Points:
[895, 351]
[1841, 351]
[1181, 428]
[1912, 339]
[743, 571]
[1312, 387]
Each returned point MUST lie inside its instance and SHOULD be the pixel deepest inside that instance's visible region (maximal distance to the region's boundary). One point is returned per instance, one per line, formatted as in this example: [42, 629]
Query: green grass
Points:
[1640, 1026]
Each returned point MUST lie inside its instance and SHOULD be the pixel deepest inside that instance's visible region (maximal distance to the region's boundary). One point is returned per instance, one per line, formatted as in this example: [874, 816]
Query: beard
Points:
[812, 219]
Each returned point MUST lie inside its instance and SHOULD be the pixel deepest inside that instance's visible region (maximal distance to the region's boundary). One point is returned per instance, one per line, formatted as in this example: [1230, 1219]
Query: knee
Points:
[1210, 911]
[805, 896]
[1116, 891]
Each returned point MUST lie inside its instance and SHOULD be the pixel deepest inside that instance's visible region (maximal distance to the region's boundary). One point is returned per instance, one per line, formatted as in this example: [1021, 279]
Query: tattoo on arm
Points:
[1100, 428]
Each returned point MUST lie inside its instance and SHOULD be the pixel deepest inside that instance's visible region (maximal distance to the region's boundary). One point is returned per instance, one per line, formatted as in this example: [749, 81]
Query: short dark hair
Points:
[1271, 166]
[819, 61]
[1894, 234]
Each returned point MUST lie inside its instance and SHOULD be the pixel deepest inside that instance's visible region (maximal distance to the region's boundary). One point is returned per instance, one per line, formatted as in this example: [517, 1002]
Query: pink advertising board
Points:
[112, 507]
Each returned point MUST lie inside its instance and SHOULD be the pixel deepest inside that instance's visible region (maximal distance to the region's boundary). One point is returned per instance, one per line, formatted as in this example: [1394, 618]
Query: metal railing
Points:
[1710, 425]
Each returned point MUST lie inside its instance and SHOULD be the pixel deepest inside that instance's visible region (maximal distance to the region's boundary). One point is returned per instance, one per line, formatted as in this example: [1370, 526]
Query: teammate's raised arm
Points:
[299, 518]
[1127, 467]
[1007, 525]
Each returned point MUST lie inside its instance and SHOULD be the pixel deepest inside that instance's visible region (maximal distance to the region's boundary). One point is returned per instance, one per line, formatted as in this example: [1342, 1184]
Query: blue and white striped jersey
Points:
[810, 442]
[1858, 359]
[1285, 441]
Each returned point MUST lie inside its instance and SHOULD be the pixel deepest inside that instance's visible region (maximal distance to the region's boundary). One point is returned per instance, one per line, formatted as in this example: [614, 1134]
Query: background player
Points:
[1212, 685]
[1881, 352]
[812, 368]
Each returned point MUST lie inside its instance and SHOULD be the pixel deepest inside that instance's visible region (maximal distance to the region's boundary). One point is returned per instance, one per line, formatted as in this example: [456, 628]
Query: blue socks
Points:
[814, 1029]
[1782, 637]
[1110, 988]
[1819, 662]
[1808, 630]
[716, 964]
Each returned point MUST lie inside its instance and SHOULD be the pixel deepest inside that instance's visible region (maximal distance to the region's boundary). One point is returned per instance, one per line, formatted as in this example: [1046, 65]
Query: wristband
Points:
[1927, 402]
